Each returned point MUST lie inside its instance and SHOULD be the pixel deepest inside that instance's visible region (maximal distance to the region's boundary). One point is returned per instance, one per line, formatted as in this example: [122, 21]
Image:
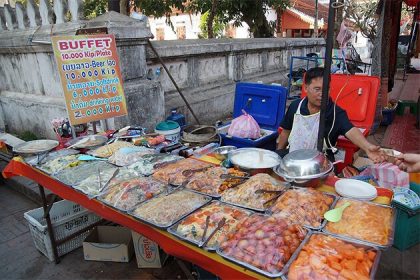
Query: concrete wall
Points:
[205, 70]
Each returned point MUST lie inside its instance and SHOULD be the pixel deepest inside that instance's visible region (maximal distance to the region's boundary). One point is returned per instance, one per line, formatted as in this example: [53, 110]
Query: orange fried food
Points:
[326, 257]
[303, 206]
[364, 221]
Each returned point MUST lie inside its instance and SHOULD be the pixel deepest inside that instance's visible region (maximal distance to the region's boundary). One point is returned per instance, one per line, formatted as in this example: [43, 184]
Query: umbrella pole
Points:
[327, 72]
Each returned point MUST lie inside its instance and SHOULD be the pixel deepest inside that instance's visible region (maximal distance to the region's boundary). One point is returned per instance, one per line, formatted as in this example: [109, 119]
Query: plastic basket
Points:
[388, 116]
[407, 228]
[66, 219]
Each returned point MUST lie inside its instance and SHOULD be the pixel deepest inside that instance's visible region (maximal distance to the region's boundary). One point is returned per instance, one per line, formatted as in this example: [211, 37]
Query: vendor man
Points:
[301, 123]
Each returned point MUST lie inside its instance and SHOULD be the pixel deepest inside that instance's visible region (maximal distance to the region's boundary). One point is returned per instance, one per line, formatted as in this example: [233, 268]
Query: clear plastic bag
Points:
[178, 172]
[96, 183]
[164, 210]
[126, 194]
[108, 150]
[147, 164]
[263, 243]
[61, 163]
[303, 206]
[77, 174]
[39, 160]
[326, 257]
[247, 194]
[364, 221]
[192, 227]
[129, 155]
[210, 183]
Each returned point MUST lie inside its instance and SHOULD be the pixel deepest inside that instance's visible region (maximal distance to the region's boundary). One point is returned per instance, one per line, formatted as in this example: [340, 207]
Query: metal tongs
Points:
[101, 188]
[268, 191]
[190, 172]
[219, 226]
[229, 176]
[205, 228]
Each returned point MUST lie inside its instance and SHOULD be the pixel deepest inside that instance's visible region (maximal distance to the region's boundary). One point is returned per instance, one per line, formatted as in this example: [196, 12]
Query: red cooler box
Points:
[358, 97]
[266, 104]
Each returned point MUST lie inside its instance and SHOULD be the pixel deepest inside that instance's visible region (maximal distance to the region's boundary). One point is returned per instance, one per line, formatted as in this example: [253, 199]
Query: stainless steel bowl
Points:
[254, 160]
[301, 166]
[221, 153]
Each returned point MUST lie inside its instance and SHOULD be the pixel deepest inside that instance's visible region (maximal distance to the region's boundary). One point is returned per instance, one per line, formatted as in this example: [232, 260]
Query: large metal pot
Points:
[304, 167]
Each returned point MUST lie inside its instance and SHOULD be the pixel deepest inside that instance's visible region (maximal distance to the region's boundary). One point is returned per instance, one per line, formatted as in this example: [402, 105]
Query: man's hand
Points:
[408, 162]
[375, 154]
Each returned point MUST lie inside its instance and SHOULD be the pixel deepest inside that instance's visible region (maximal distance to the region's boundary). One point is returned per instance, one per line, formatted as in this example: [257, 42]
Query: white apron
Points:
[304, 134]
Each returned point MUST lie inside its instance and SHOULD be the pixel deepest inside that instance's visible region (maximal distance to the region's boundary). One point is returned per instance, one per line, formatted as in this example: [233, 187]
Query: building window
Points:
[181, 32]
[230, 31]
[160, 33]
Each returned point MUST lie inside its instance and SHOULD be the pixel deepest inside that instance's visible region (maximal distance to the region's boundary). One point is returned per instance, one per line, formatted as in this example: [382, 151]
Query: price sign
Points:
[91, 77]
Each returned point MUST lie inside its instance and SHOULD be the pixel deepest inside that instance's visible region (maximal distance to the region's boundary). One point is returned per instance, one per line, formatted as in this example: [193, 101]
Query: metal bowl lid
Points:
[254, 158]
[35, 147]
[304, 164]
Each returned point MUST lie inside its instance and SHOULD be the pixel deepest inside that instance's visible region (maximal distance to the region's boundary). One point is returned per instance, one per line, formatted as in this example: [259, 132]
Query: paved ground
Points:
[19, 259]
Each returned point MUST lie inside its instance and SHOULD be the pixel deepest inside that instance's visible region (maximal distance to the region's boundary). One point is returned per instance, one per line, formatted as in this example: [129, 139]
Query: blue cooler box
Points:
[266, 104]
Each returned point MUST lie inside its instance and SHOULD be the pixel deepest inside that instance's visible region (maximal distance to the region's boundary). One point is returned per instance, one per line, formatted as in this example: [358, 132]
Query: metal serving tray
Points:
[364, 242]
[165, 226]
[261, 210]
[268, 274]
[324, 221]
[373, 269]
[168, 190]
[173, 228]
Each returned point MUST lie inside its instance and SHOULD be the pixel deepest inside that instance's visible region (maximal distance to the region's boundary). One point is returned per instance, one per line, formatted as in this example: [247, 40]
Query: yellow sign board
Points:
[91, 77]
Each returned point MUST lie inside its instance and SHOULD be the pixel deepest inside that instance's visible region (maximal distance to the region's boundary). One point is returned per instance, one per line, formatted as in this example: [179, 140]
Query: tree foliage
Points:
[94, 8]
[218, 27]
[252, 12]
[362, 14]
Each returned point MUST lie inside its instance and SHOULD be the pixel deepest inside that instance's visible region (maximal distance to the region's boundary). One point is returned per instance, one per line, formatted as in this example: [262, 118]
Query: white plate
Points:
[355, 189]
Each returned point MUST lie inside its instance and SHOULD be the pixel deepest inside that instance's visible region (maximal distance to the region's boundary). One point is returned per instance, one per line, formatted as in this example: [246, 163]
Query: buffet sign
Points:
[90, 76]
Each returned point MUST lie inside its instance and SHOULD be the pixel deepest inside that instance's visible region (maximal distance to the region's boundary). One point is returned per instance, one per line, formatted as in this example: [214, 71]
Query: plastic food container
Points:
[304, 206]
[165, 210]
[191, 228]
[365, 222]
[263, 244]
[323, 255]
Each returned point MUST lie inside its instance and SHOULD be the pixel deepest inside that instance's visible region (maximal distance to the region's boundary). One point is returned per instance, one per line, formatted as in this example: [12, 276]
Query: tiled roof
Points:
[307, 7]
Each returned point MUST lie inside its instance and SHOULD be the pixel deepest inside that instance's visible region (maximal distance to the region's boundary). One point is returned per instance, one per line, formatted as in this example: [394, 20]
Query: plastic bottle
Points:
[177, 117]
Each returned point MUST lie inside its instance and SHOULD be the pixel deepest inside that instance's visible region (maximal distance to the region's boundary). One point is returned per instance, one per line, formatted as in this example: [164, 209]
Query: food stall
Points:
[242, 222]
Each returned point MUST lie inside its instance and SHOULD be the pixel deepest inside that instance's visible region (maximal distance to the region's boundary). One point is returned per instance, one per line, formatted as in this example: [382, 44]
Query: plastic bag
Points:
[326, 257]
[303, 206]
[364, 221]
[245, 126]
[128, 155]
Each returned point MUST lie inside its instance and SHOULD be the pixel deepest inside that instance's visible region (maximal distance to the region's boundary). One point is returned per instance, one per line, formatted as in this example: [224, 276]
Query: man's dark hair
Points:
[316, 72]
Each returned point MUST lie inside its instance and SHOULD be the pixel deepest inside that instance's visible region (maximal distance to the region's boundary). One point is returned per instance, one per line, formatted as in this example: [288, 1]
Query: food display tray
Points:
[324, 221]
[261, 210]
[165, 226]
[375, 264]
[173, 228]
[265, 273]
[364, 242]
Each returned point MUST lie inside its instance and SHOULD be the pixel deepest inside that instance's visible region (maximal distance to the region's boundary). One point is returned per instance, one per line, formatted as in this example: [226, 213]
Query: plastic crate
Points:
[407, 227]
[66, 219]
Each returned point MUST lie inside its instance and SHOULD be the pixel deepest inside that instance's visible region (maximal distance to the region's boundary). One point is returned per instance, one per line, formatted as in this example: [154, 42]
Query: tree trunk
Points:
[279, 27]
[124, 9]
[114, 5]
[210, 18]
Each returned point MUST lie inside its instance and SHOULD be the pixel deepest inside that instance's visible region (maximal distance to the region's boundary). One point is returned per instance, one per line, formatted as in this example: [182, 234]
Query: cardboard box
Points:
[148, 253]
[107, 243]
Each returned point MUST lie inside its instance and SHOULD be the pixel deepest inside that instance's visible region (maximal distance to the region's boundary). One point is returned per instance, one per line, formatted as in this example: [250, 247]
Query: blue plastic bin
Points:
[267, 104]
